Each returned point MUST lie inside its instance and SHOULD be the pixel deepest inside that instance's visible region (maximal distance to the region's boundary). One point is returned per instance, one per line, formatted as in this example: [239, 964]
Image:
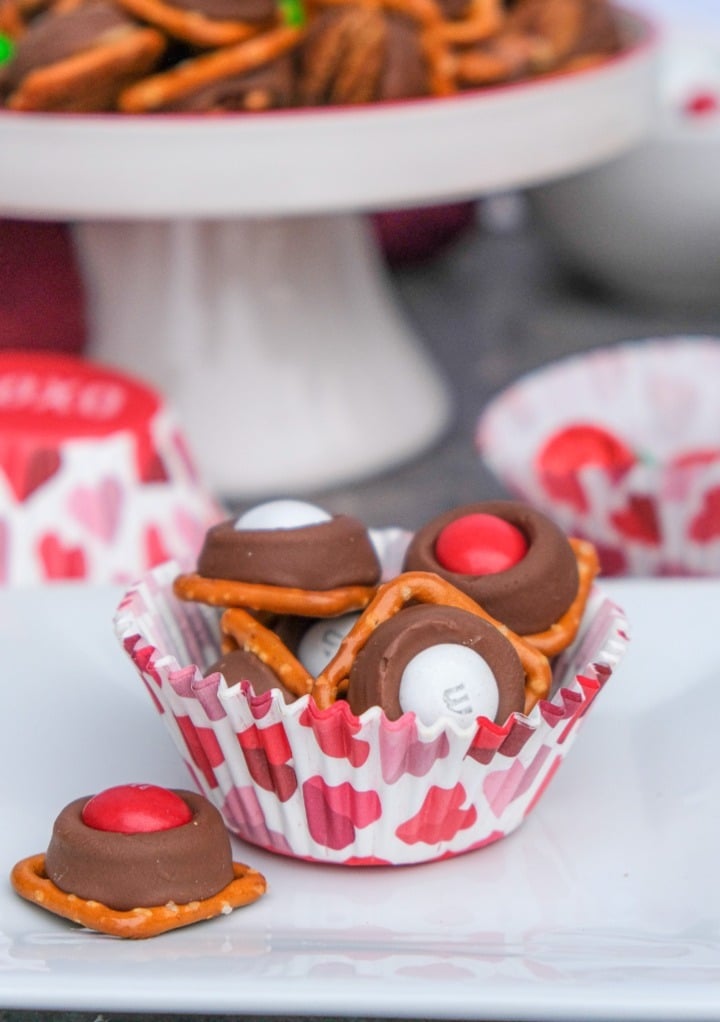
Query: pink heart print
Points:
[267, 753]
[27, 470]
[334, 813]
[98, 508]
[60, 561]
[155, 550]
[440, 817]
[638, 520]
[705, 527]
[203, 747]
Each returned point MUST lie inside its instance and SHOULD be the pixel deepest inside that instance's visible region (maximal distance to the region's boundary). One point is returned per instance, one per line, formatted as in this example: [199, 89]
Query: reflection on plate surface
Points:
[604, 901]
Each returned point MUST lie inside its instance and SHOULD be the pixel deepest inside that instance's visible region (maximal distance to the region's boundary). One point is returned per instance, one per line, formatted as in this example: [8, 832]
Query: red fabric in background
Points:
[411, 236]
[42, 301]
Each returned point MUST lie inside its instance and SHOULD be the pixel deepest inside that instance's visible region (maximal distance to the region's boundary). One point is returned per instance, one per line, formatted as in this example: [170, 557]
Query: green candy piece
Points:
[293, 13]
[7, 48]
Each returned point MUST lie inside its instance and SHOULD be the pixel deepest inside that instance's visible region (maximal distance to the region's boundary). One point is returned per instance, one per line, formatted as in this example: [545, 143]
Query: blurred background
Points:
[492, 287]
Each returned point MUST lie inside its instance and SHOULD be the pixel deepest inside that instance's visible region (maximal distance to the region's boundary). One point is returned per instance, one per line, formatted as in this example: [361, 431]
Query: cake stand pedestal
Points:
[278, 339]
[228, 260]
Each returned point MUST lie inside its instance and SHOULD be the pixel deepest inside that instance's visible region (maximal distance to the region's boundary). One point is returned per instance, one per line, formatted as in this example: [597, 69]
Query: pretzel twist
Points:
[86, 80]
[560, 634]
[423, 587]
[191, 26]
[484, 18]
[261, 48]
[12, 23]
[241, 630]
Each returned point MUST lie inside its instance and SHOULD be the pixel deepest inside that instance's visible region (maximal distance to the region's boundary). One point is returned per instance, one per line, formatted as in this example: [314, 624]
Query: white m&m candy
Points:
[449, 680]
[321, 641]
[282, 514]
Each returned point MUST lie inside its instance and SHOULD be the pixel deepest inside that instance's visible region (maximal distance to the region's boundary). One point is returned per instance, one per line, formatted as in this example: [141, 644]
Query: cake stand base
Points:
[277, 341]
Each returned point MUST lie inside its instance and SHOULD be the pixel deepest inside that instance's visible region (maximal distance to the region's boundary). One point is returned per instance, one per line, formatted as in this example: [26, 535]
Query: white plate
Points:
[288, 162]
[605, 903]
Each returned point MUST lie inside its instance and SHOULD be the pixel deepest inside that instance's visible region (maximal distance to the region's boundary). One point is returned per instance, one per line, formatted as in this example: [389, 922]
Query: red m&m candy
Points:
[136, 809]
[570, 449]
[584, 444]
[480, 544]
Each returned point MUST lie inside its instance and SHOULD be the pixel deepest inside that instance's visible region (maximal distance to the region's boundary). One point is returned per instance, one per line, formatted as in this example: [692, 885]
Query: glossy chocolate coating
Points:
[323, 556]
[125, 871]
[528, 597]
[242, 665]
[377, 672]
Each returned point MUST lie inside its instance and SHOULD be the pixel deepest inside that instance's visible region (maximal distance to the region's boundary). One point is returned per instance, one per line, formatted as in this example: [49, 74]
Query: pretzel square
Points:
[30, 881]
[219, 592]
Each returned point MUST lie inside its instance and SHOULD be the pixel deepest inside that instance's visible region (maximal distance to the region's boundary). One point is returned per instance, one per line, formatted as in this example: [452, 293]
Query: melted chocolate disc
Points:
[125, 871]
[528, 597]
[376, 675]
[320, 557]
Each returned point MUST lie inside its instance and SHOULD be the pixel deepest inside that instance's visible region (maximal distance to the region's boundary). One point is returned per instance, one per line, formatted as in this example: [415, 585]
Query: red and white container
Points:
[96, 480]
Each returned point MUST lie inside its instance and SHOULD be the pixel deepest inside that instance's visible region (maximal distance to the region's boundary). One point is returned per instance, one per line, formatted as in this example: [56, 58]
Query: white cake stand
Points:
[228, 260]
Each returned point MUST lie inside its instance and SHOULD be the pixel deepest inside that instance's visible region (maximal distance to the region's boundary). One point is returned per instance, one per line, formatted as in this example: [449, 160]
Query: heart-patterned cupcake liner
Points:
[96, 480]
[658, 515]
[326, 786]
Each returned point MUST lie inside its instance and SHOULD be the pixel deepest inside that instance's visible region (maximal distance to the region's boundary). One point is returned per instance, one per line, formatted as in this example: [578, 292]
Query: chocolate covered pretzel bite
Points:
[285, 557]
[514, 562]
[137, 860]
[79, 59]
[434, 613]
[255, 55]
[253, 74]
[205, 23]
[426, 588]
[437, 661]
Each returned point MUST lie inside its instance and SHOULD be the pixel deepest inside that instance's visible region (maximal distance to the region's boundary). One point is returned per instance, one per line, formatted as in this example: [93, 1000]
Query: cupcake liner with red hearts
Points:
[96, 480]
[651, 502]
[326, 786]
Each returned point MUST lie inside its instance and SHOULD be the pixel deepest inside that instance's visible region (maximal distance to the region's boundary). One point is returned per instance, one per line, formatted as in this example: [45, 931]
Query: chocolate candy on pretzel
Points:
[538, 37]
[423, 605]
[285, 557]
[254, 74]
[255, 654]
[79, 59]
[421, 587]
[514, 562]
[275, 656]
[354, 53]
[205, 23]
[138, 860]
[438, 662]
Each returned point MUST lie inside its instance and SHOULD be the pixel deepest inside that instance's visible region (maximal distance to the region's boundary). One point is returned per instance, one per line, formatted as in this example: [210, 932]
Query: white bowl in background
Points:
[646, 225]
